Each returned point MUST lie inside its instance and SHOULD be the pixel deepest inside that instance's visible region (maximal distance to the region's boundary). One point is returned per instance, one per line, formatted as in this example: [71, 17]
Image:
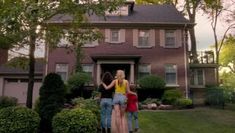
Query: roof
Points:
[155, 14]
[5, 69]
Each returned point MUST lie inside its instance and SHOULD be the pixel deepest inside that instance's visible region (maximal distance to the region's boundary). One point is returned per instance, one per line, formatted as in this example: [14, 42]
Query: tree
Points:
[24, 24]
[216, 9]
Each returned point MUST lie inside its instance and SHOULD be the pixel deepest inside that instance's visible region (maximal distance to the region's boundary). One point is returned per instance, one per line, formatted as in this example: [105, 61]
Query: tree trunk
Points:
[31, 72]
[193, 45]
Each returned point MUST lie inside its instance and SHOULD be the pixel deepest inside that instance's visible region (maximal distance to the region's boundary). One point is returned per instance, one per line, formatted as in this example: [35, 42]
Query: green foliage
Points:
[89, 104]
[171, 96]
[6, 101]
[19, 62]
[151, 82]
[18, 120]
[215, 96]
[36, 105]
[78, 80]
[156, 1]
[51, 99]
[184, 103]
[75, 121]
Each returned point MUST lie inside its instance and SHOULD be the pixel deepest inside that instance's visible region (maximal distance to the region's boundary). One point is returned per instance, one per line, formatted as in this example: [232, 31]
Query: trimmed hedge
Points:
[18, 120]
[151, 82]
[75, 121]
[184, 103]
[171, 96]
[6, 101]
[215, 96]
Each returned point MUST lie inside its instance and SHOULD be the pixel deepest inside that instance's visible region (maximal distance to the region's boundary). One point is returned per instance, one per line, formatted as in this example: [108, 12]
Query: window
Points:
[170, 38]
[171, 74]
[114, 35]
[143, 38]
[88, 68]
[197, 77]
[62, 70]
[144, 70]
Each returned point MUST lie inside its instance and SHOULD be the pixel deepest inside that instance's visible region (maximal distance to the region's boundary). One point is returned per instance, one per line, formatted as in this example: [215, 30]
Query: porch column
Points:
[132, 73]
[98, 74]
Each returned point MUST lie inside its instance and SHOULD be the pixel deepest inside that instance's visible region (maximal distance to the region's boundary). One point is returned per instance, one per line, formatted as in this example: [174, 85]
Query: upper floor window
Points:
[114, 35]
[197, 77]
[62, 70]
[170, 38]
[144, 70]
[171, 74]
[143, 38]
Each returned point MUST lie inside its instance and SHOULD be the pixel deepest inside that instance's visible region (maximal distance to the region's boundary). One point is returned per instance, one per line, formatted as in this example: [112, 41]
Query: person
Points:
[119, 100]
[132, 109]
[106, 103]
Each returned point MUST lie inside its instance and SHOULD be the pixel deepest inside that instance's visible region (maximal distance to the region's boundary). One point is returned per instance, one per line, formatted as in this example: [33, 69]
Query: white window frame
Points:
[111, 35]
[176, 74]
[147, 32]
[141, 69]
[194, 73]
[62, 70]
[173, 35]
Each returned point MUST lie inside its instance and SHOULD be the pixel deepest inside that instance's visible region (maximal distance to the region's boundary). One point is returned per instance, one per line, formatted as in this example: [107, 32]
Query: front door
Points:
[112, 68]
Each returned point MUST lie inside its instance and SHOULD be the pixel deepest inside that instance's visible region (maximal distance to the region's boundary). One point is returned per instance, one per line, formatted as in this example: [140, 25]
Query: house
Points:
[141, 40]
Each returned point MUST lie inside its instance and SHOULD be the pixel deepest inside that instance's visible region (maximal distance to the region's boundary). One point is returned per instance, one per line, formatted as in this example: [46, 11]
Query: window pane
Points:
[197, 77]
[170, 38]
[62, 70]
[170, 74]
[143, 38]
[143, 70]
[114, 35]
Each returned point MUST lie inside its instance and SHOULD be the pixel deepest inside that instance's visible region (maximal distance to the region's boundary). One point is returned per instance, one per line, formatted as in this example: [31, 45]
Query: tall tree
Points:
[24, 23]
[217, 9]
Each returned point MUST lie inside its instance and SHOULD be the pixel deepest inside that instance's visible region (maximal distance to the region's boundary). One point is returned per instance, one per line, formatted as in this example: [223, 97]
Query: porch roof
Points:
[115, 57]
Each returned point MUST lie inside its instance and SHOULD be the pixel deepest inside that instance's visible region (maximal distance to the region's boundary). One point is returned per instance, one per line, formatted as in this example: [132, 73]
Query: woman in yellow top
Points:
[119, 100]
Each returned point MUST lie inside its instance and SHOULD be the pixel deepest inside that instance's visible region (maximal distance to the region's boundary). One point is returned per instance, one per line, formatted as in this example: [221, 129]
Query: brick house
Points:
[141, 40]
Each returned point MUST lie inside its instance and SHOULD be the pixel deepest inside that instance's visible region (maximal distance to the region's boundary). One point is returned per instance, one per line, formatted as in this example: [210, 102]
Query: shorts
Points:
[119, 99]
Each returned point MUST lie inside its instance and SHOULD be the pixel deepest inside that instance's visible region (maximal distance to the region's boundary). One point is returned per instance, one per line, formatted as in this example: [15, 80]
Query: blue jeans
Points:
[135, 116]
[119, 99]
[106, 111]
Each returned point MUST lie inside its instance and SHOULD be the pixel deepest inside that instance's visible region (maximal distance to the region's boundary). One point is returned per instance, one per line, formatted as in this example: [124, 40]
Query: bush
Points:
[89, 104]
[171, 96]
[51, 100]
[6, 101]
[75, 84]
[18, 120]
[184, 103]
[150, 100]
[215, 96]
[151, 82]
[75, 121]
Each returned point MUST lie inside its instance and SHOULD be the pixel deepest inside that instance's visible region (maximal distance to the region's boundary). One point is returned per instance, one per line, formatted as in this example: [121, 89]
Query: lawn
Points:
[199, 120]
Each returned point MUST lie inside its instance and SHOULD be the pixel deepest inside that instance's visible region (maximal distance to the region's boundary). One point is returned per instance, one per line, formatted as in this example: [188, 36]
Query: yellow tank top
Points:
[120, 88]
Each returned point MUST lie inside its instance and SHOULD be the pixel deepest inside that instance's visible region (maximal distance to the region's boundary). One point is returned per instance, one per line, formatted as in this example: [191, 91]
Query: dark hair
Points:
[107, 78]
[133, 87]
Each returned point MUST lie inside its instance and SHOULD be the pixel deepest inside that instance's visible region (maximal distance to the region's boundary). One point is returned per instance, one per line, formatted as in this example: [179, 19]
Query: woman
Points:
[119, 101]
[106, 103]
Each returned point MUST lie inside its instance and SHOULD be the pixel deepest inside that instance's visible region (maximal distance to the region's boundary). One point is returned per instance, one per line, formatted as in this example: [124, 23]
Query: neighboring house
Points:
[14, 82]
[139, 39]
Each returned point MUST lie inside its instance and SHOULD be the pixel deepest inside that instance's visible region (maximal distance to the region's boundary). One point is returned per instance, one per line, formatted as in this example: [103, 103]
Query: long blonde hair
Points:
[120, 75]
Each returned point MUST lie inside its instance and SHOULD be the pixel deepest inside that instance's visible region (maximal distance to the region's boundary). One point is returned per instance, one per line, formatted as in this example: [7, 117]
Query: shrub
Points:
[18, 120]
[215, 96]
[151, 82]
[51, 100]
[75, 121]
[6, 101]
[150, 100]
[184, 103]
[75, 84]
[89, 104]
[170, 96]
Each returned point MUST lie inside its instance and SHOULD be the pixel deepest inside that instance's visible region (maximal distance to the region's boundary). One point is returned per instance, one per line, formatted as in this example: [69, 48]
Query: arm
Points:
[109, 86]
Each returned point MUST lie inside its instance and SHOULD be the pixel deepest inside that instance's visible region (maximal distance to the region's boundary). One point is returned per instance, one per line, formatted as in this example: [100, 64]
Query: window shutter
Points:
[178, 38]
[135, 37]
[152, 37]
[107, 35]
[162, 38]
[122, 35]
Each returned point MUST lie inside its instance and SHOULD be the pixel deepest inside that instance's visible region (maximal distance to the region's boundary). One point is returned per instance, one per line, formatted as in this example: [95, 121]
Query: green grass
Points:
[199, 120]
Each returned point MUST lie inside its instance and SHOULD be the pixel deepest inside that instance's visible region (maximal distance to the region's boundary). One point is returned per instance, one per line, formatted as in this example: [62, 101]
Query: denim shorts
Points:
[119, 99]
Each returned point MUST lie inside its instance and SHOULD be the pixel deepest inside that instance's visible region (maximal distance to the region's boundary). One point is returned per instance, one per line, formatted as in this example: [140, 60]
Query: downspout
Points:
[186, 61]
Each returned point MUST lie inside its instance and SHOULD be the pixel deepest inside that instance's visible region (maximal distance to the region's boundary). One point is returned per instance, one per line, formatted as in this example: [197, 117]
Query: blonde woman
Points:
[119, 100]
